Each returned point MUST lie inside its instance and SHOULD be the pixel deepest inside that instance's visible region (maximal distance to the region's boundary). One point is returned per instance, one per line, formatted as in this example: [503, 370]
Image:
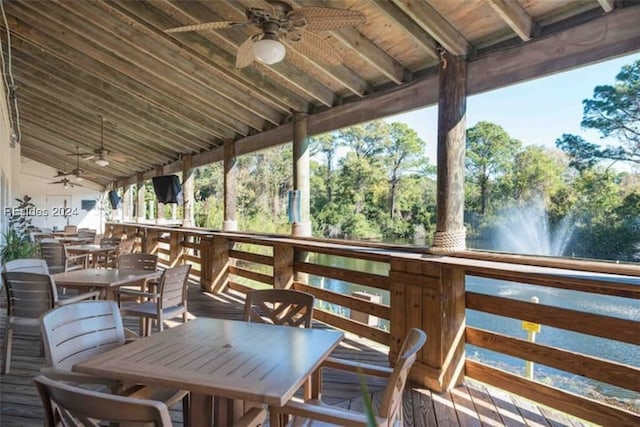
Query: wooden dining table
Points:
[106, 280]
[227, 359]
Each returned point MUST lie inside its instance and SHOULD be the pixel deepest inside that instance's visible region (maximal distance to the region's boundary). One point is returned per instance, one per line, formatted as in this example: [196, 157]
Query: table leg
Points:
[201, 410]
[225, 411]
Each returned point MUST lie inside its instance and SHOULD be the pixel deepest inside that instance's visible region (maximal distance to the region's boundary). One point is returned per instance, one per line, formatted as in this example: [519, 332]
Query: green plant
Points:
[16, 239]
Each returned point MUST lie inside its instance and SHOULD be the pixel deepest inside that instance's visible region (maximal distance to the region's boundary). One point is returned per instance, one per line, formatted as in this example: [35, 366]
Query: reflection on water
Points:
[591, 303]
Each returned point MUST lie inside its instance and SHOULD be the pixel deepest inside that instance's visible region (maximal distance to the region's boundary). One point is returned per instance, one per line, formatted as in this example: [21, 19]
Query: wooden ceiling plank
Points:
[392, 12]
[215, 58]
[433, 23]
[59, 131]
[607, 5]
[87, 129]
[373, 55]
[39, 45]
[194, 12]
[107, 104]
[84, 59]
[138, 62]
[159, 45]
[516, 17]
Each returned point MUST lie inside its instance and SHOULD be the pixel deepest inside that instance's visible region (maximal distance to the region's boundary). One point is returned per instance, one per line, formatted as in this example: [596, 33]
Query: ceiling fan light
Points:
[102, 162]
[269, 51]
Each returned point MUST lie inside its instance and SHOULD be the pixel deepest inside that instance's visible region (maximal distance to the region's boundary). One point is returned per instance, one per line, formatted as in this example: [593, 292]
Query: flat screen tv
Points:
[167, 189]
[114, 199]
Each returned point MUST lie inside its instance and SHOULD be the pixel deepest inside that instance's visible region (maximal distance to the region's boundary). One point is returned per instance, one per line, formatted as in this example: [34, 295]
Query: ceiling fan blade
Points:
[326, 18]
[90, 157]
[216, 25]
[78, 154]
[245, 55]
[56, 182]
[315, 48]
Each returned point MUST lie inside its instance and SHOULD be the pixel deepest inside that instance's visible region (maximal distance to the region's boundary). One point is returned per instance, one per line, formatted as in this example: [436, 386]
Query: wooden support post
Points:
[282, 266]
[188, 189]
[175, 249]
[219, 262]
[431, 298]
[230, 182]
[126, 203]
[301, 175]
[151, 242]
[206, 263]
[450, 233]
[141, 207]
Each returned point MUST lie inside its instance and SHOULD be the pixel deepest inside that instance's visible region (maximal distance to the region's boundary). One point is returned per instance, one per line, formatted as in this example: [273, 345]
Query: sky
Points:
[537, 112]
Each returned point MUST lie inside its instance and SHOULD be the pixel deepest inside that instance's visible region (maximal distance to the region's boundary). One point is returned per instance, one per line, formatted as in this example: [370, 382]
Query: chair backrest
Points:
[70, 229]
[138, 262]
[110, 241]
[75, 332]
[126, 246]
[391, 404]
[68, 405]
[28, 265]
[86, 233]
[173, 286]
[29, 295]
[55, 255]
[279, 307]
[37, 237]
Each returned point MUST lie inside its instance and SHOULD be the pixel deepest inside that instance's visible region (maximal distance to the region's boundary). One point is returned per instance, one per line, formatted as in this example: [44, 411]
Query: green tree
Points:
[614, 111]
[489, 154]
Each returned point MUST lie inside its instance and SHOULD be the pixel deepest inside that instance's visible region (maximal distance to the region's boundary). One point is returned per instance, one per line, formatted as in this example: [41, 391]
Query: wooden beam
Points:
[414, 30]
[188, 191]
[433, 23]
[516, 17]
[230, 185]
[607, 5]
[301, 175]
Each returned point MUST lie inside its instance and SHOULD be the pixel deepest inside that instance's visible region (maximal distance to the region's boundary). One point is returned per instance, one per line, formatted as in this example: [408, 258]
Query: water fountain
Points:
[526, 230]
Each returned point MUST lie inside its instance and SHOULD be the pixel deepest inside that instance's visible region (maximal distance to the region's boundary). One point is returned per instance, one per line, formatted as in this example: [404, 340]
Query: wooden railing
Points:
[428, 292]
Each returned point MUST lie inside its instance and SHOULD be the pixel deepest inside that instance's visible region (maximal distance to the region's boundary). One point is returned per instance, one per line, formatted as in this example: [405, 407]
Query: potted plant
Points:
[15, 241]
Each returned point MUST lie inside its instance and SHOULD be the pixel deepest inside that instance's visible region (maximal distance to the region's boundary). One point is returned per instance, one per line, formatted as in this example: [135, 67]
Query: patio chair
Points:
[286, 307]
[390, 412]
[28, 265]
[123, 246]
[58, 260]
[69, 405]
[71, 229]
[88, 234]
[77, 332]
[279, 307]
[168, 302]
[29, 295]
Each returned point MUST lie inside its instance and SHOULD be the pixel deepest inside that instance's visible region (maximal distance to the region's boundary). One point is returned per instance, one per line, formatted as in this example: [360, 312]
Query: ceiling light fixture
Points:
[102, 162]
[269, 50]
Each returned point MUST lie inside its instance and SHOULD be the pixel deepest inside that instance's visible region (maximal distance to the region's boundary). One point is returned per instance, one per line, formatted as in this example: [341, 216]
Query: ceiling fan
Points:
[278, 25]
[99, 154]
[78, 171]
[66, 182]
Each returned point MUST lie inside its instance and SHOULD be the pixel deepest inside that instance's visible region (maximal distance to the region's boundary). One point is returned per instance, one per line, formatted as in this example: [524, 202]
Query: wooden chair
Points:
[390, 412]
[279, 307]
[168, 302]
[58, 260]
[74, 333]
[137, 262]
[71, 229]
[29, 295]
[88, 234]
[28, 265]
[71, 406]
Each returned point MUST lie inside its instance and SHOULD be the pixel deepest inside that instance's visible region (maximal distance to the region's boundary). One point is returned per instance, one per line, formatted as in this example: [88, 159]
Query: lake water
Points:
[598, 304]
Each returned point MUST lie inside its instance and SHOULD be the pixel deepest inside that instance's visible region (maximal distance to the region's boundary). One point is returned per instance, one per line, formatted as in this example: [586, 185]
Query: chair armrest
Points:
[254, 417]
[358, 367]
[80, 297]
[327, 414]
[75, 257]
[78, 378]
[130, 336]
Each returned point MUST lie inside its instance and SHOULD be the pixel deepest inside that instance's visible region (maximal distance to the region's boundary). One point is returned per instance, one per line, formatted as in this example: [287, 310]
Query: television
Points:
[167, 189]
[114, 199]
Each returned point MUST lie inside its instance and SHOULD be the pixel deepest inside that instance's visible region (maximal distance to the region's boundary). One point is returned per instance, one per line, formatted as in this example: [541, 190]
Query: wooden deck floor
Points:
[472, 404]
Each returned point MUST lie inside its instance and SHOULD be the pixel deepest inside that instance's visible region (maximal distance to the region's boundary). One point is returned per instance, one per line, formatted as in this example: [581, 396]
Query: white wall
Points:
[9, 163]
[53, 201]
